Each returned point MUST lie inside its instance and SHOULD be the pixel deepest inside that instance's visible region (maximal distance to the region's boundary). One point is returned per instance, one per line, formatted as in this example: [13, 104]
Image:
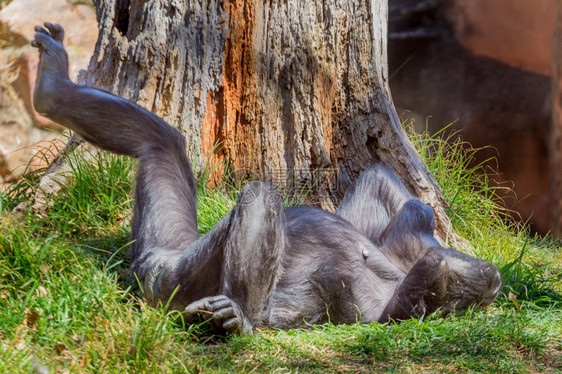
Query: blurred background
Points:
[485, 67]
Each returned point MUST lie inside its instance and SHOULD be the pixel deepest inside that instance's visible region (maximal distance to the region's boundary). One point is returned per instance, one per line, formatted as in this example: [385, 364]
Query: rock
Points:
[18, 19]
[45, 152]
[57, 175]
[25, 151]
[12, 152]
[16, 128]
[22, 134]
[27, 65]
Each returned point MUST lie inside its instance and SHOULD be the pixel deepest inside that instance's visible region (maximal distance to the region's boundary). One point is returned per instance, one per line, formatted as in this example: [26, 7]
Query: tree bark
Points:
[555, 155]
[279, 88]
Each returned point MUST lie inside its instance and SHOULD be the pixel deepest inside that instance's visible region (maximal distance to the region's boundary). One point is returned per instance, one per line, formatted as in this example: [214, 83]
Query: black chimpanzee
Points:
[375, 259]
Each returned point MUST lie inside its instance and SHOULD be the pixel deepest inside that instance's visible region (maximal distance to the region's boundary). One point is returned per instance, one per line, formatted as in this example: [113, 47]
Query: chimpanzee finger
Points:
[41, 29]
[56, 30]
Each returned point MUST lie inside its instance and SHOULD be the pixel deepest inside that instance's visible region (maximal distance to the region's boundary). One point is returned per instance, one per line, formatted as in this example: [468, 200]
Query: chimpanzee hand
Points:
[222, 312]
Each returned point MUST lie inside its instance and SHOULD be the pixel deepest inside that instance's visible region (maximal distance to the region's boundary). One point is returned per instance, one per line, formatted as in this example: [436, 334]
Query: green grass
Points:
[68, 304]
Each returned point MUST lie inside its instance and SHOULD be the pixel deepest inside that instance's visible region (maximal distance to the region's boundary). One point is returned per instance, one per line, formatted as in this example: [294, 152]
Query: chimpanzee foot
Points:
[222, 312]
[54, 30]
[49, 37]
[52, 73]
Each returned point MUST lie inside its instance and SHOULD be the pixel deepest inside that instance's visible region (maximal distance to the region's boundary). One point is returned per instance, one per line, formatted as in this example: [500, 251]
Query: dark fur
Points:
[374, 260]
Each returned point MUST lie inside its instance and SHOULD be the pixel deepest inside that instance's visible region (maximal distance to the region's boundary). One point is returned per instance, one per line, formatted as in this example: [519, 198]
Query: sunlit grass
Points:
[68, 304]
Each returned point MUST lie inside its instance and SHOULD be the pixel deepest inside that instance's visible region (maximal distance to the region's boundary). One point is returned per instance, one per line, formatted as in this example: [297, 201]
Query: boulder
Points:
[23, 131]
[27, 66]
[18, 19]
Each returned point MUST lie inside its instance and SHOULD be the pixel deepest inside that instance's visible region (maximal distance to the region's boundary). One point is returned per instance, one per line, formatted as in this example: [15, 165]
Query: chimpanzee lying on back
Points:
[375, 259]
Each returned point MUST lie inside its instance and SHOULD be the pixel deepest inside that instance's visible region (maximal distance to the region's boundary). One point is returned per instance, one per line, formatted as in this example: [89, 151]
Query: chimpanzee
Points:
[375, 259]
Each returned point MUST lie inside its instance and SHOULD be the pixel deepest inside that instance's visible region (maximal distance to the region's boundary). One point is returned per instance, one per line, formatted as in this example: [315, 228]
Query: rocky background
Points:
[29, 141]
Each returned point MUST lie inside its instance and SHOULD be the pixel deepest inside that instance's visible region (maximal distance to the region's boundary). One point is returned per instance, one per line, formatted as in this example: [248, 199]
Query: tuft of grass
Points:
[214, 203]
[98, 200]
[3, 202]
[67, 303]
[474, 204]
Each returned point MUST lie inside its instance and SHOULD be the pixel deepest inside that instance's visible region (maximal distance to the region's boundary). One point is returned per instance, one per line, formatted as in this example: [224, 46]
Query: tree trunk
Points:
[284, 89]
[555, 155]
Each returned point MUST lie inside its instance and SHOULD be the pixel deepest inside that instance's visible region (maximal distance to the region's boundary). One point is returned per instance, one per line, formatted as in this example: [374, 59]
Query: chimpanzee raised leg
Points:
[229, 273]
